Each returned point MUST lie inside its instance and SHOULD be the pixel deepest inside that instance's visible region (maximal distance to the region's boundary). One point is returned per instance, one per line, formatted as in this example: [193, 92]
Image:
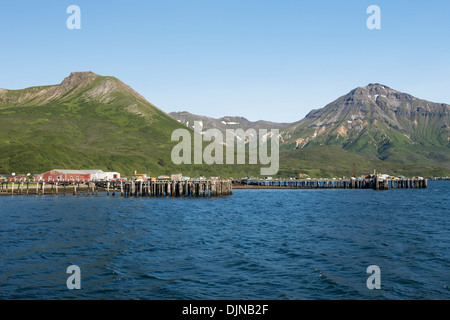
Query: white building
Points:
[111, 175]
[98, 175]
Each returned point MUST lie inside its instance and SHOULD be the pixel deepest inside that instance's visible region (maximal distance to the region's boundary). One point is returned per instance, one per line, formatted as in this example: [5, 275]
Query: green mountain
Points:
[92, 122]
[96, 122]
[87, 121]
[378, 122]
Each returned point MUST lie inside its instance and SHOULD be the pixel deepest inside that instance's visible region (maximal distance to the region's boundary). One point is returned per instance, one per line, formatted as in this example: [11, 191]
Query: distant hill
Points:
[224, 123]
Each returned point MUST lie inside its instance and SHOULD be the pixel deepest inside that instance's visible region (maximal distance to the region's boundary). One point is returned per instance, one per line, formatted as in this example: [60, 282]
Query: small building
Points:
[111, 176]
[99, 175]
[365, 174]
[139, 177]
[13, 177]
[21, 177]
[96, 175]
[163, 177]
[8, 178]
[176, 177]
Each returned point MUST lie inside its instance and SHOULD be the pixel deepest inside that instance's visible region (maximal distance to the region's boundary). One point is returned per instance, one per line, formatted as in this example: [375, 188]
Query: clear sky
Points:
[261, 59]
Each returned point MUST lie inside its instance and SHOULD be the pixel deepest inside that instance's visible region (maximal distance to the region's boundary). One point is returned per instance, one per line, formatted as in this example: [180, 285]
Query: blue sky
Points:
[261, 59]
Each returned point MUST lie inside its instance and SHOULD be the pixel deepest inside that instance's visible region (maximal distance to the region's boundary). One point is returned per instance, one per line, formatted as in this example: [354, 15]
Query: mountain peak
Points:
[86, 85]
[372, 88]
[78, 78]
[380, 122]
[374, 94]
[376, 85]
[82, 74]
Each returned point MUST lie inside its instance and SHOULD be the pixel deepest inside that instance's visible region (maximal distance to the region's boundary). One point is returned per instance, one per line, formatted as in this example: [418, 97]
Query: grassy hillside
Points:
[94, 123]
[333, 161]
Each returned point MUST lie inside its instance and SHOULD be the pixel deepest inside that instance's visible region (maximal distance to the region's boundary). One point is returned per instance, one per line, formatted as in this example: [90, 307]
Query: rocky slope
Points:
[377, 121]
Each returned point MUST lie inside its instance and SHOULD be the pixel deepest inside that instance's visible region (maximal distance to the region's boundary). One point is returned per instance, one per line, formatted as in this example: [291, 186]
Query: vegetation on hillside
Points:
[95, 122]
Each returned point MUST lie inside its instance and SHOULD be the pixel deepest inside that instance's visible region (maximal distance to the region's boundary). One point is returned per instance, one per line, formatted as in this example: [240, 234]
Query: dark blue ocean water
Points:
[256, 244]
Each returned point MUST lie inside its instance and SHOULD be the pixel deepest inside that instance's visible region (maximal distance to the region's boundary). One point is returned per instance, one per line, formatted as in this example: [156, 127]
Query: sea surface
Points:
[255, 244]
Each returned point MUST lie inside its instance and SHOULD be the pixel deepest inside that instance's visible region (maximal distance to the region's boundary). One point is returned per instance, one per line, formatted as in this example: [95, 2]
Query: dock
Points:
[198, 188]
[374, 183]
[163, 188]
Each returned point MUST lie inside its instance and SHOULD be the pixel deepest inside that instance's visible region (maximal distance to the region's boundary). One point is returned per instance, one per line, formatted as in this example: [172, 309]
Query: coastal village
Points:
[69, 175]
[75, 175]
[64, 181]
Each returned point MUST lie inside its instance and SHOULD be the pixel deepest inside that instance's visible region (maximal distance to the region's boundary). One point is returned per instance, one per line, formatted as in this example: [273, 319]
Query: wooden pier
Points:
[163, 188]
[374, 183]
[197, 188]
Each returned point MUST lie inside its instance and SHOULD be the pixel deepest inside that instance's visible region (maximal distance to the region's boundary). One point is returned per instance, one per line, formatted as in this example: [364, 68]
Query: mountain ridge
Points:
[226, 122]
[374, 121]
[377, 121]
[72, 84]
[91, 121]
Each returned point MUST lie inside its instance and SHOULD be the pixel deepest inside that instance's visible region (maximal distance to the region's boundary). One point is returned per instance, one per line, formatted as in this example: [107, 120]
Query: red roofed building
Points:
[77, 175]
[65, 175]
